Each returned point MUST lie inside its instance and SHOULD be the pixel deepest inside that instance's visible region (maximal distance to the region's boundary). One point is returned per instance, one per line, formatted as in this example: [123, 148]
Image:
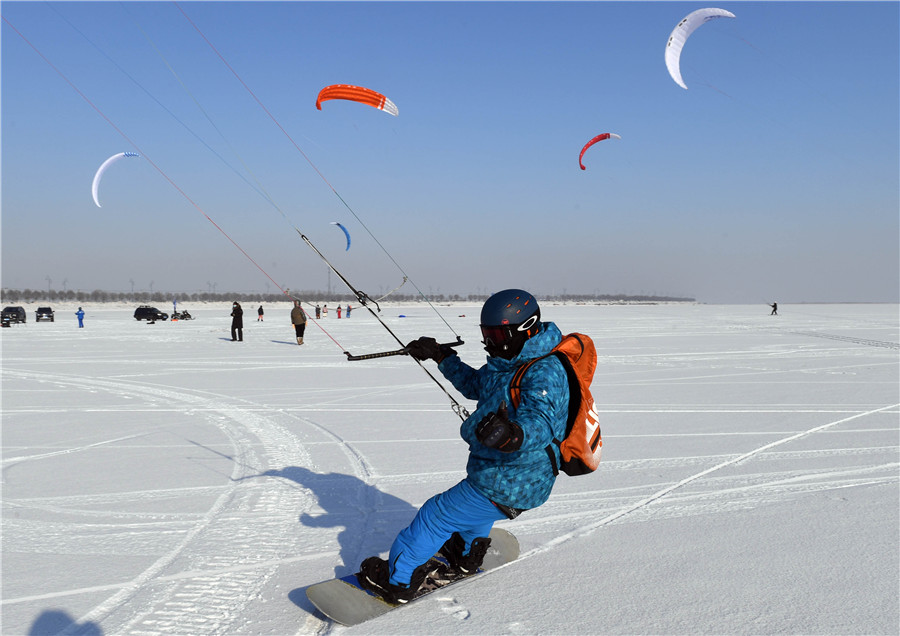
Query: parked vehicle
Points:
[13, 314]
[44, 313]
[150, 314]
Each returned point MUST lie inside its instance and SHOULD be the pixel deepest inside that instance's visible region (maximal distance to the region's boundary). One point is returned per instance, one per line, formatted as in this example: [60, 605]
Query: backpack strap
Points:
[515, 385]
[515, 395]
[549, 449]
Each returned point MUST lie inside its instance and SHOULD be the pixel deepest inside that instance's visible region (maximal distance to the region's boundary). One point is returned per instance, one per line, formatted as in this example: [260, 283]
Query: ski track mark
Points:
[862, 341]
[641, 505]
[588, 529]
[222, 540]
[724, 495]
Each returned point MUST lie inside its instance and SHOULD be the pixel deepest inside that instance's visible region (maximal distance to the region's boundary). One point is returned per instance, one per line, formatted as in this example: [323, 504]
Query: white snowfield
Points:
[161, 479]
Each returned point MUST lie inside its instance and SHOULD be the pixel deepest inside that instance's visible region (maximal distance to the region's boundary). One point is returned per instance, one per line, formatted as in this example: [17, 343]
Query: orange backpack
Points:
[580, 448]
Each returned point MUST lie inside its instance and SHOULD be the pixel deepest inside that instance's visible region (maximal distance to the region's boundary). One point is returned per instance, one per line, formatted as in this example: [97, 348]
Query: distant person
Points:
[774, 307]
[237, 322]
[318, 311]
[298, 319]
[80, 314]
[324, 311]
[348, 311]
[339, 312]
[259, 314]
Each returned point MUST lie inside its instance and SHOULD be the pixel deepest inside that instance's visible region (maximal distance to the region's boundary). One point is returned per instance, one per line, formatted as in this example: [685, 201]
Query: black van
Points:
[146, 312]
[13, 314]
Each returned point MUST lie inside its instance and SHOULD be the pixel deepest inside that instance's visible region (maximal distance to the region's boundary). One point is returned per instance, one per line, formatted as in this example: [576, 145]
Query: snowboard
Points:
[344, 601]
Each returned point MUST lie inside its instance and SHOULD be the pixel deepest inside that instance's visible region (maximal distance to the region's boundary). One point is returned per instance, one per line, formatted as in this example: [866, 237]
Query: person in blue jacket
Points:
[80, 315]
[512, 458]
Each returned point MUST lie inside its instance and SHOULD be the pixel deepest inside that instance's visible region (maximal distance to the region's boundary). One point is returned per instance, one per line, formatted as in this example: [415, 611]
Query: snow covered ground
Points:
[161, 479]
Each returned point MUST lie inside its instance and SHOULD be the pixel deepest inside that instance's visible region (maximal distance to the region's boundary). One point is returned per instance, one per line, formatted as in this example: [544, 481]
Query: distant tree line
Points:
[50, 296]
[141, 297]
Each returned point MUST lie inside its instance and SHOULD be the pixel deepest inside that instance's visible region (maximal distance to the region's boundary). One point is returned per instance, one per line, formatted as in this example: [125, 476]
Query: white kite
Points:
[680, 35]
[95, 188]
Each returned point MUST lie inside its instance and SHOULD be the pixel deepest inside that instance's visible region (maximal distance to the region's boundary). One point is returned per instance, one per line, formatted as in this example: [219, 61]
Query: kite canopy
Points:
[680, 35]
[346, 233]
[599, 137]
[356, 94]
[95, 187]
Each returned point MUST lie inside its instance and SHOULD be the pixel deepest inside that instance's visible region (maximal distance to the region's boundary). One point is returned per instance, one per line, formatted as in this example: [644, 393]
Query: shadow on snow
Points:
[55, 621]
[368, 518]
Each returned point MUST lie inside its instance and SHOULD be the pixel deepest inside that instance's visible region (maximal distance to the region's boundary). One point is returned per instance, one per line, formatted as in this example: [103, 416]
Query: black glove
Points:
[426, 348]
[496, 430]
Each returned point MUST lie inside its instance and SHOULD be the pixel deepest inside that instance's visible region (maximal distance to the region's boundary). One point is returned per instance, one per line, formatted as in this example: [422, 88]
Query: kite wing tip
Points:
[390, 107]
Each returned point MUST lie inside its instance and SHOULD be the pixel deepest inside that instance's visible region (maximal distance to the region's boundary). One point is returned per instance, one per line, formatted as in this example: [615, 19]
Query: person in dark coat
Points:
[774, 307]
[298, 319]
[237, 322]
[259, 314]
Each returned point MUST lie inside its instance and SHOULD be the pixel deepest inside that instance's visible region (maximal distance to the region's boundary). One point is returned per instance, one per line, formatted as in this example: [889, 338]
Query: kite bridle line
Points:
[363, 300]
[405, 278]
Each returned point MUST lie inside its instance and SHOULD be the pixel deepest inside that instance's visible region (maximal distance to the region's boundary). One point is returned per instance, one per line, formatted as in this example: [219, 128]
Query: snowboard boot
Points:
[374, 575]
[465, 564]
[299, 341]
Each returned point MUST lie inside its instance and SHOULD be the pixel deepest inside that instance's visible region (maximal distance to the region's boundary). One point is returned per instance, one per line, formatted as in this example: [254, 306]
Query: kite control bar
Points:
[397, 352]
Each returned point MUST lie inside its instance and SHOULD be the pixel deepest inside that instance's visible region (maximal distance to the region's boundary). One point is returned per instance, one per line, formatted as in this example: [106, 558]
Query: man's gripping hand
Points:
[496, 430]
[426, 348]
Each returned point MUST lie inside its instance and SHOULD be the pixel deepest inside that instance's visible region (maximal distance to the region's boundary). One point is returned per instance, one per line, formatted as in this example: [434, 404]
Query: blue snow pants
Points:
[460, 509]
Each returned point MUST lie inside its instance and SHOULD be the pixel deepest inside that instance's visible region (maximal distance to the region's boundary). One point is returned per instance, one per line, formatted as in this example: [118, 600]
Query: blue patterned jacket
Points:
[522, 479]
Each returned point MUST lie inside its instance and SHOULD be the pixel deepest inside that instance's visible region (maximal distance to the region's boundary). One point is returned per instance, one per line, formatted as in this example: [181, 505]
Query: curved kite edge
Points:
[359, 94]
[682, 31]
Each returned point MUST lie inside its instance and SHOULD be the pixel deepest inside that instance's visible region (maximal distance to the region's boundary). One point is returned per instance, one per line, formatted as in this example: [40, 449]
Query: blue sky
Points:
[774, 177]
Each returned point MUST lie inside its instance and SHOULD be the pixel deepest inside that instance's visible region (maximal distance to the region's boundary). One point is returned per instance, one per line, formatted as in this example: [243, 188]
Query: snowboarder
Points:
[80, 314]
[298, 319]
[237, 322]
[259, 314]
[774, 307]
[511, 451]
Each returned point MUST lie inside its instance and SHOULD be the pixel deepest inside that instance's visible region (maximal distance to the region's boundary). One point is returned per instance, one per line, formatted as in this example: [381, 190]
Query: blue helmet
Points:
[508, 319]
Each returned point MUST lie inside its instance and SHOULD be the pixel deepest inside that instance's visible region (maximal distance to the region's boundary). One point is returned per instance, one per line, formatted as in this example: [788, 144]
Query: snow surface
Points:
[161, 479]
